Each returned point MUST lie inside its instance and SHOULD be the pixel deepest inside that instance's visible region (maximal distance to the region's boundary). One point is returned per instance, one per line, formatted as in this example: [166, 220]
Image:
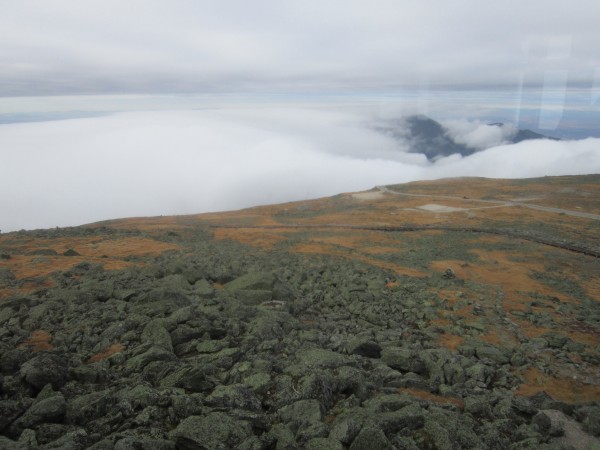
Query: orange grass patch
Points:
[450, 341]
[494, 268]
[589, 337]
[25, 267]
[255, 237]
[106, 353]
[568, 390]
[38, 341]
[500, 337]
[366, 242]
[106, 251]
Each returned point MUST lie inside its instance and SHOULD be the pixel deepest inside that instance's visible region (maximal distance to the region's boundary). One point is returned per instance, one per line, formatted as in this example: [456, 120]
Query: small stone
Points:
[449, 274]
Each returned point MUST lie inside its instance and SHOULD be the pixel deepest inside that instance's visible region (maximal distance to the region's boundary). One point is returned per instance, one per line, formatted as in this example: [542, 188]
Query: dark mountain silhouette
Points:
[429, 137]
[524, 135]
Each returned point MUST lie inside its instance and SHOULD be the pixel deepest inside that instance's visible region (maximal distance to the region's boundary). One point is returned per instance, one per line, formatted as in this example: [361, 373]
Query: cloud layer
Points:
[151, 163]
[268, 46]
[478, 135]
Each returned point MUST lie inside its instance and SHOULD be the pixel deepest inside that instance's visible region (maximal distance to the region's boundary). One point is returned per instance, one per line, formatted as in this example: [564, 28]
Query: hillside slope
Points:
[460, 313]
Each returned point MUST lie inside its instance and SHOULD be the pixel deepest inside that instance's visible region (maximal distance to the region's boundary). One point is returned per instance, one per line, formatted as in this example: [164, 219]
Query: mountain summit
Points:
[429, 137]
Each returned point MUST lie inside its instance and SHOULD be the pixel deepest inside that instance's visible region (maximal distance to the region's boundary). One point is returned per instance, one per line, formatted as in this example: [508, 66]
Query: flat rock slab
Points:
[432, 207]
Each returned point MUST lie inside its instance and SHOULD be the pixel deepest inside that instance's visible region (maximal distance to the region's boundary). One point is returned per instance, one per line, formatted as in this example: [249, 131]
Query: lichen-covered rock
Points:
[437, 435]
[253, 296]
[321, 358]
[9, 443]
[491, 353]
[216, 431]
[234, 396]
[478, 406]
[302, 411]
[283, 437]
[403, 359]
[156, 334]
[203, 289]
[10, 410]
[137, 363]
[321, 443]
[345, 429]
[320, 385]
[410, 417]
[590, 418]
[85, 408]
[43, 369]
[253, 281]
[340, 356]
[51, 409]
[364, 347]
[371, 438]
[133, 443]
[73, 440]
[90, 373]
[547, 423]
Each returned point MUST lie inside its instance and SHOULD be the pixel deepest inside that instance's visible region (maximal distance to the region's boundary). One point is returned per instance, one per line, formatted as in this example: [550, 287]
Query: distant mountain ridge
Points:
[429, 137]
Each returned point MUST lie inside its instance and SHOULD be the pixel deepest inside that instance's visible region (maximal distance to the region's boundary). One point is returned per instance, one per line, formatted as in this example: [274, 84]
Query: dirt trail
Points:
[515, 202]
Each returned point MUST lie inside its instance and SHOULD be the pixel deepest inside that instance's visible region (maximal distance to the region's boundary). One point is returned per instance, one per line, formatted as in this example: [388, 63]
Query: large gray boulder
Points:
[216, 431]
[156, 334]
[43, 369]
[371, 438]
[51, 409]
[403, 359]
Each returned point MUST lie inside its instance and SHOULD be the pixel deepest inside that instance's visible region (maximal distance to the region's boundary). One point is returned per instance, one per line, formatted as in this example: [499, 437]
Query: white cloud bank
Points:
[479, 135]
[138, 164]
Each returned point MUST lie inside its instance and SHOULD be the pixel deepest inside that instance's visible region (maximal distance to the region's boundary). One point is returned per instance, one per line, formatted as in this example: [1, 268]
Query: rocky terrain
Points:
[451, 314]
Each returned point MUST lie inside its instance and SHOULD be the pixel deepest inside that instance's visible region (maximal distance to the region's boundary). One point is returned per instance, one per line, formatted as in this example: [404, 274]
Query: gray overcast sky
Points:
[156, 46]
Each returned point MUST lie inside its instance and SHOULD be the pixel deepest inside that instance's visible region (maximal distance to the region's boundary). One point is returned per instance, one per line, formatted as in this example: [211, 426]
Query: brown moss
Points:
[104, 250]
[500, 337]
[255, 237]
[107, 353]
[38, 341]
[450, 341]
[424, 395]
[569, 390]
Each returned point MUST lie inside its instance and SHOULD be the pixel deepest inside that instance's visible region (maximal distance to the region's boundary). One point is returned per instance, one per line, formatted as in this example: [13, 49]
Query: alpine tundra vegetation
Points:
[459, 313]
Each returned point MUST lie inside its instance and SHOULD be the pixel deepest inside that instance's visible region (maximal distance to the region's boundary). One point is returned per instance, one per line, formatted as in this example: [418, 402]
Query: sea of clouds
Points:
[76, 171]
